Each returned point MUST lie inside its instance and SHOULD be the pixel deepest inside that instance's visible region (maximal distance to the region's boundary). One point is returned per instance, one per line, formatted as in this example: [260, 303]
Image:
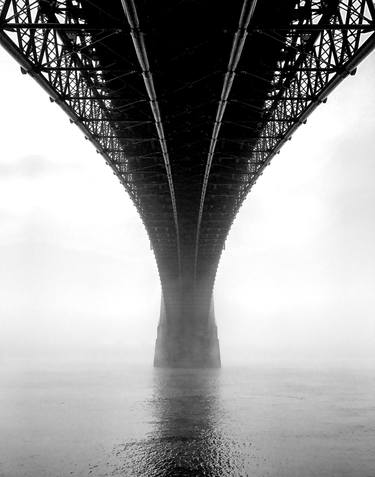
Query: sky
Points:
[78, 279]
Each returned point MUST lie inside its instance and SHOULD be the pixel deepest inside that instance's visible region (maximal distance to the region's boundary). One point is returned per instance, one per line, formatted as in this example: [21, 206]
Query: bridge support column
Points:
[187, 332]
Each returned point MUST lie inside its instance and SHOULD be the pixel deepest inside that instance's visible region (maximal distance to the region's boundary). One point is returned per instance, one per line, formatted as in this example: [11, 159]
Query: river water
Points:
[137, 421]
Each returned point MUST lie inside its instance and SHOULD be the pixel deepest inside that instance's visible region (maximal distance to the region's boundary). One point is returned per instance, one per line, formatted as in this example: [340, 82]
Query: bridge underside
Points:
[188, 102]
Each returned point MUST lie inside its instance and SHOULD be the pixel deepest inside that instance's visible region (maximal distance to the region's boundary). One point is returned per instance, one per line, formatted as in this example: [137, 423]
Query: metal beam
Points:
[238, 44]
[140, 49]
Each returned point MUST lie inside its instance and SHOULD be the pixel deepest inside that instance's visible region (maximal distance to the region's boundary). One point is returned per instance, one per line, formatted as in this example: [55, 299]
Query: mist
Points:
[78, 280]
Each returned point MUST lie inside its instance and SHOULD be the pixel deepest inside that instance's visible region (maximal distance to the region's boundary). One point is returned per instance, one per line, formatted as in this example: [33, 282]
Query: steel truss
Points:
[323, 44]
[54, 44]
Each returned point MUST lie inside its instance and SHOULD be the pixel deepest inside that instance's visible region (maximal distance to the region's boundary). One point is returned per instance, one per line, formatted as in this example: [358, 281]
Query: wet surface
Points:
[231, 422]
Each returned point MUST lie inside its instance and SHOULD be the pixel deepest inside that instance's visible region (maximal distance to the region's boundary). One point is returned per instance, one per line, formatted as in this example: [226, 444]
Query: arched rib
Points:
[140, 49]
[235, 56]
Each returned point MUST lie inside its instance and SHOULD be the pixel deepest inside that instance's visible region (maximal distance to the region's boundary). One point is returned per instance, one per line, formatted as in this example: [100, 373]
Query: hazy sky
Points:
[78, 279]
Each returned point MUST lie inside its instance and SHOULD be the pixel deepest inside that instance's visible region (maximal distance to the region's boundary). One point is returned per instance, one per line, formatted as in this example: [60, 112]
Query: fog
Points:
[78, 280]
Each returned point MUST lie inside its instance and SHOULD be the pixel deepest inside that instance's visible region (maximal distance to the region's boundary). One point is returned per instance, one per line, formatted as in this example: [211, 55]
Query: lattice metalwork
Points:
[59, 51]
[54, 43]
[323, 43]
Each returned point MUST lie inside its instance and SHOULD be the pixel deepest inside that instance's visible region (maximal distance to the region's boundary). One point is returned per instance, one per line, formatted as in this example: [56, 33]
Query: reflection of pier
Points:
[186, 439]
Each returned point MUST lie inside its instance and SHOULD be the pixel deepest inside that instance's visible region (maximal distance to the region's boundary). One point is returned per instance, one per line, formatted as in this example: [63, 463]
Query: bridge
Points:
[188, 102]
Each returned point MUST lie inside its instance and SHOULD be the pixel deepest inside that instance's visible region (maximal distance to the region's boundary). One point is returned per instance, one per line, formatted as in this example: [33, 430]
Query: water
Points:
[122, 421]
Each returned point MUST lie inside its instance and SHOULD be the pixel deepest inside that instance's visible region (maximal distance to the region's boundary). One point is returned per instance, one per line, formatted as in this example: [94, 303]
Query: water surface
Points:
[134, 421]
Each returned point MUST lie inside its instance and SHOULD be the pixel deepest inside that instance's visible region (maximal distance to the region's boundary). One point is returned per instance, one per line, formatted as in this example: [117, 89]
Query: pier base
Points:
[187, 332]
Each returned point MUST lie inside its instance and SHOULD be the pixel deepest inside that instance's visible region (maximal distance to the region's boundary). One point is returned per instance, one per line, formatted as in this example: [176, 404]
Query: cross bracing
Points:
[188, 102]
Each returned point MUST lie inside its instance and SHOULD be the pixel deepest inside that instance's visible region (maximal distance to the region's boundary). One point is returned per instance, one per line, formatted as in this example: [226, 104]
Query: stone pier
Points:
[187, 332]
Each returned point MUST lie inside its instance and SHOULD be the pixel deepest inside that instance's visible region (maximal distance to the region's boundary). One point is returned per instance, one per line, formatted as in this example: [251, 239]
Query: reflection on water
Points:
[186, 434]
[186, 439]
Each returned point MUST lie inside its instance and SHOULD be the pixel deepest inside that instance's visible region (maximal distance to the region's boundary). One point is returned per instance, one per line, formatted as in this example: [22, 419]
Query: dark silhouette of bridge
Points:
[188, 102]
